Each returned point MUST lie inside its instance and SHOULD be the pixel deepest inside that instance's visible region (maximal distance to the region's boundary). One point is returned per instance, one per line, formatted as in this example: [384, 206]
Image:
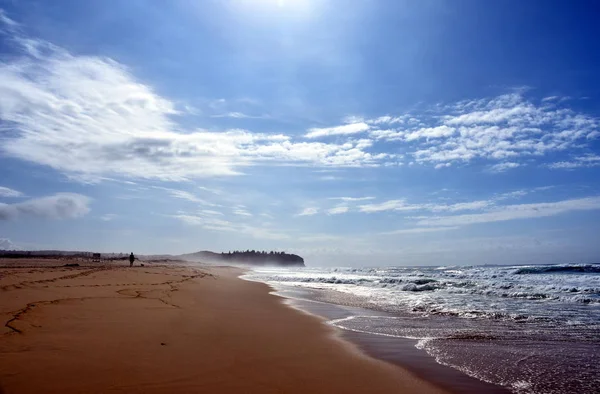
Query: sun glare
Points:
[296, 6]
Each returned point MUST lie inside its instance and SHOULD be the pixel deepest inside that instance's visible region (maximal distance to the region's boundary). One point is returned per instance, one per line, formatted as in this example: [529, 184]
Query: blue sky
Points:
[350, 132]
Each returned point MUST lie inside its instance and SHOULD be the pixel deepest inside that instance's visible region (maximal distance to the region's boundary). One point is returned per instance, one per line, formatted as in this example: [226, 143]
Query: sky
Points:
[350, 132]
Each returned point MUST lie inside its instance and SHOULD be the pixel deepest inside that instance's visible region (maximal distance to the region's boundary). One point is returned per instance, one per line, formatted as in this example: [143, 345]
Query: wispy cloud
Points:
[338, 210]
[550, 98]
[430, 133]
[210, 190]
[214, 224]
[350, 199]
[58, 206]
[390, 205]
[330, 178]
[352, 128]
[185, 195]
[7, 192]
[496, 129]
[402, 205]
[514, 194]
[210, 212]
[582, 161]
[239, 115]
[5, 243]
[90, 118]
[513, 212]
[5, 20]
[419, 230]
[389, 120]
[309, 211]
[108, 217]
[241, 211]
[502, 167]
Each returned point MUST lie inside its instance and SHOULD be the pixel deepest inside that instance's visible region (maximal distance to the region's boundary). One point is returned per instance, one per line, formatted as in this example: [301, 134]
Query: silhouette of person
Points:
[131, 258]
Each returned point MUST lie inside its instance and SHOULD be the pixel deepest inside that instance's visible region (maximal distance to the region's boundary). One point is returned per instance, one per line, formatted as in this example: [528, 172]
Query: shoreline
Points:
[158, 328]
[393, 350]
[521, 328]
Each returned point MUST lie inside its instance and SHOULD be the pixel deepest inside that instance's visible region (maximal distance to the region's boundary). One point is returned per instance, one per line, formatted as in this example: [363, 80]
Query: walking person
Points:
[131, 259]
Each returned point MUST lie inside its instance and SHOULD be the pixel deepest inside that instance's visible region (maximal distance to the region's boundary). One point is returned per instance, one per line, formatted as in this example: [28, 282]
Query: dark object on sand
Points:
[131, 259]
[71, 265]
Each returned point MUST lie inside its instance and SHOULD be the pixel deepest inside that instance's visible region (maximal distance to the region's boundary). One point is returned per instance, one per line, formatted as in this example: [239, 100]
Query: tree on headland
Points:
[263, 258]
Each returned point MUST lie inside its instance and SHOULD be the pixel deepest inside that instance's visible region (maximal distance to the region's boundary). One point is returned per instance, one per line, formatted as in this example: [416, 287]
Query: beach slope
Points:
[167, 329]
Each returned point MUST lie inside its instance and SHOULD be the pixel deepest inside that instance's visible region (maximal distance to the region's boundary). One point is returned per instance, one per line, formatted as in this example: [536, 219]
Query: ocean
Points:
[530, 329]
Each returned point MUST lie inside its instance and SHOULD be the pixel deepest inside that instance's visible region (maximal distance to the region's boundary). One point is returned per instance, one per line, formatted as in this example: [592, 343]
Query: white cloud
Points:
[506, 128]
[210, 212]
[353, 119]
[352, 128]
[5, 20]
[430, 132]
[387, 119]
[58, 206]
[583, 161]
[184, 195]
[518, 193]
[219, 225]
[89, 118]
[463, 206]
[7, 192]
[108, 217]
[309, 211]
[550, 98]
[512, 212]
[401, 205]
[330, 178]
[593, 135]
[492, 116]
[391, 205]
[210, 190]
[241, 212]
[387, 135]
[5, 243]
[338, 210]
[501, 167]
[350, 199]
[239, 115]
[419, 230]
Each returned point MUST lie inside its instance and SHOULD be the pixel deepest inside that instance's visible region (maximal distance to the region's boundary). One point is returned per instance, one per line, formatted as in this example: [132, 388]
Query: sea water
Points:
[531, 329]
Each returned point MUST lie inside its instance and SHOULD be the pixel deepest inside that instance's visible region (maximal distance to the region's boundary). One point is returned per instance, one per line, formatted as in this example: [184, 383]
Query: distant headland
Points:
[248, 257]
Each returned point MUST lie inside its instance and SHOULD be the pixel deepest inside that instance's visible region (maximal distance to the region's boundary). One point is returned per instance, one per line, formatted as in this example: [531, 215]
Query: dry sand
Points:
[170, 329]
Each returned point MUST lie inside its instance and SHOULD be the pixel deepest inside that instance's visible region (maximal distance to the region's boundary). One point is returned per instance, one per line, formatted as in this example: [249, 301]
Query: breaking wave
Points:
[558, 292]
[555, 269]
[532, 329]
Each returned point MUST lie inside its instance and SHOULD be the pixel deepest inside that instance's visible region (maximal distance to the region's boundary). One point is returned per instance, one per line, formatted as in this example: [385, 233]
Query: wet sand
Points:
[394, 350]
[165, 328]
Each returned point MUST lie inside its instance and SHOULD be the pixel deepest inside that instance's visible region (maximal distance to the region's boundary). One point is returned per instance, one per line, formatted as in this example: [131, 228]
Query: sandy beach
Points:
[164, 328]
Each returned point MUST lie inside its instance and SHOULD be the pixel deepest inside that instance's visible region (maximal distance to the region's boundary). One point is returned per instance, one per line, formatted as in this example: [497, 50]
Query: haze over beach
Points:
[422, 177]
